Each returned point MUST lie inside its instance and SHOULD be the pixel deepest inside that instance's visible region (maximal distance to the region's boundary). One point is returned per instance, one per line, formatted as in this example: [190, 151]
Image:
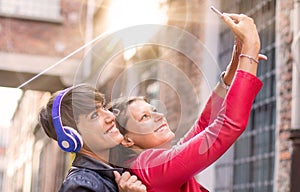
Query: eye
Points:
[145, 116]
[116, 112]
[94, 115]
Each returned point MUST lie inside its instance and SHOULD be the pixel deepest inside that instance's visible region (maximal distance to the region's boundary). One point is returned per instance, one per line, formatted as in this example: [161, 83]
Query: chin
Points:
[117, 140]
[171, 135]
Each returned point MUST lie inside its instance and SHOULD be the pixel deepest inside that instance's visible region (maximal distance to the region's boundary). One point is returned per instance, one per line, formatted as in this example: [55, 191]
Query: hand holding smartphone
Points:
[260, 56]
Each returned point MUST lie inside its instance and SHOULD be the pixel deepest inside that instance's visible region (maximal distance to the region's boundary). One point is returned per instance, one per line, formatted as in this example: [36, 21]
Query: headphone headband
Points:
[68, 138]
[56, 117]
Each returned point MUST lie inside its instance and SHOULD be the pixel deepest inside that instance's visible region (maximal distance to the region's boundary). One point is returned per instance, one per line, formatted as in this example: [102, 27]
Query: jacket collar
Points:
[104, 169]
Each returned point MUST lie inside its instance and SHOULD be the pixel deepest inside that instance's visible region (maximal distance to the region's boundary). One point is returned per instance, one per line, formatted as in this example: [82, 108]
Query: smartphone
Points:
[216, 11]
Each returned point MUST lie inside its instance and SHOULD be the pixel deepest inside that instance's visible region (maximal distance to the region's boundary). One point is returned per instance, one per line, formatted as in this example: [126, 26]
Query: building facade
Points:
[264, 156]
[33, 36]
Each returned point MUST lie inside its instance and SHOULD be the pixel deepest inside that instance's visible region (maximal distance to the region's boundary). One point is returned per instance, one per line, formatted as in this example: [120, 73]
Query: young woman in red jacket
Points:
[163, 168]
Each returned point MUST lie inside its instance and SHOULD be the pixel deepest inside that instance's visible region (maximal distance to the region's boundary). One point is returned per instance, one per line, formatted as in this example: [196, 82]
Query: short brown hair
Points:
[82, 99]
[121, 104]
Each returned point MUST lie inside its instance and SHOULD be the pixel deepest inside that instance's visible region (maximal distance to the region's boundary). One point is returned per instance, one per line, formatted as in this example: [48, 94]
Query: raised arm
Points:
[176, 166]
[214, 103]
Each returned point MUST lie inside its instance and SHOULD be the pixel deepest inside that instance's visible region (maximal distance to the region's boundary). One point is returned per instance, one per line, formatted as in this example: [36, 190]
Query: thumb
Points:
[228, 21]
[117, 176]
[262, 57]
[231, 20]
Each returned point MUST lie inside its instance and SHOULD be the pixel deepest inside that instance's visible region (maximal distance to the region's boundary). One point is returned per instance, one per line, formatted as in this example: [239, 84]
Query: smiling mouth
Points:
[110, 130]
[161, 128]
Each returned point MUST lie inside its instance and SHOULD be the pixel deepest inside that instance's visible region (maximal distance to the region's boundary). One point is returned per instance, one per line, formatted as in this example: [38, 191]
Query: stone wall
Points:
[45, 38]
[284, 66]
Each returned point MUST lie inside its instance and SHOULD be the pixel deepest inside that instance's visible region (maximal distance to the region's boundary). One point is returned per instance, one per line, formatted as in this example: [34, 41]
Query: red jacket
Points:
[218, 127]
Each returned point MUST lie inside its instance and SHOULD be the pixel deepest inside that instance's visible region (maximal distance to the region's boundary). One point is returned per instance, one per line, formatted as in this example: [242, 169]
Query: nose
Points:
[157, 116]
[108, 116]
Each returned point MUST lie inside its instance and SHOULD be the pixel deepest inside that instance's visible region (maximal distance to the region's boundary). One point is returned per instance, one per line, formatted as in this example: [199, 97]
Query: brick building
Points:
[265, 156]
[33, 36]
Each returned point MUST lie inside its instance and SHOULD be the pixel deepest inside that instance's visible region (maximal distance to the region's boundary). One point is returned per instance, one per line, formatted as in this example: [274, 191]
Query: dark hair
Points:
[121, 104]
[82, 99]
[120, 155]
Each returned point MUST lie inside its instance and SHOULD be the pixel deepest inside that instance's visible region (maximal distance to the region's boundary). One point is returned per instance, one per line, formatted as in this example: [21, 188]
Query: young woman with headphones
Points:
[77, 120]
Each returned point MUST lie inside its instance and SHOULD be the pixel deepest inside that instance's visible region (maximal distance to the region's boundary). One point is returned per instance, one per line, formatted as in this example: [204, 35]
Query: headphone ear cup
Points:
[76, 136]
[72, 141]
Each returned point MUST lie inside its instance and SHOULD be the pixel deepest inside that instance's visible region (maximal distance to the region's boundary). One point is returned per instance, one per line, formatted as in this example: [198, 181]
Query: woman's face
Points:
[98, 130]
[146, 127]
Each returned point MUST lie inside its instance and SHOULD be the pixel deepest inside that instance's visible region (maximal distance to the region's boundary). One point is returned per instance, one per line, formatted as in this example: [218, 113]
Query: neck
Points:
[138, 149]
[100, 156]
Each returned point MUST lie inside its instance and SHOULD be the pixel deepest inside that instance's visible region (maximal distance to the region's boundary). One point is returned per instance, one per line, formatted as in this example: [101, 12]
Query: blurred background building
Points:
[38, 35]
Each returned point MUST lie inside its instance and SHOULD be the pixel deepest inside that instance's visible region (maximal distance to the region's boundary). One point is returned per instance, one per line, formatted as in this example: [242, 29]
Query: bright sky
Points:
[135, 12]
[9, 98]
[128, 13]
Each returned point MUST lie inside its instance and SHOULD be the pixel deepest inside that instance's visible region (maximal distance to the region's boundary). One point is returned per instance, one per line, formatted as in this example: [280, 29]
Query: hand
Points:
[128, 183]
[245, 30]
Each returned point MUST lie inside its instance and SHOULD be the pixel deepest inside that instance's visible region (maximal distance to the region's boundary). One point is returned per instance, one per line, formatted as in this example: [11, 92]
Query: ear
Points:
[127, 142]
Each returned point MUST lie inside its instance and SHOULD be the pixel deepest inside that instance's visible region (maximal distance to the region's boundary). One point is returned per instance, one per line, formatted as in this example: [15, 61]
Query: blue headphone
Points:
[68, 138]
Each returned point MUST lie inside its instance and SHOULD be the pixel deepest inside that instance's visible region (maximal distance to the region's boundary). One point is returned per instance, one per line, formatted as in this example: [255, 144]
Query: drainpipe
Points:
[295, 119]
[89, 31]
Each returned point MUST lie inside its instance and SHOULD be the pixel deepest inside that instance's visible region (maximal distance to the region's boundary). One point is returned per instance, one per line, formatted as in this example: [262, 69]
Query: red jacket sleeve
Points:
[159, 168]
[208, 115]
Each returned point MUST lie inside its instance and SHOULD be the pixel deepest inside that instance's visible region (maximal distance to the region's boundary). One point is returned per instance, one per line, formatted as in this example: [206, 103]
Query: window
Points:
[253, 161]
[1, 180]
[44, 10]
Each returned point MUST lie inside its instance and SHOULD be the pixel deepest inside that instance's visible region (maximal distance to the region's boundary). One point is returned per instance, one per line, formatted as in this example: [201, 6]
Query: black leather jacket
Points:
[87, 174]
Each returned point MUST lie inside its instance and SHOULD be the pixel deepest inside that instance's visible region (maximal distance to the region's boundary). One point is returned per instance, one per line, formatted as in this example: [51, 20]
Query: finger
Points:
[236, 17]
[233, 16]
[122, 182]
[132, 179]
[228, 21]
[138, 182]
[232, 24]
[262, 57]
[125, 176]
[117, 176]
[139, 187]
[143, 188]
